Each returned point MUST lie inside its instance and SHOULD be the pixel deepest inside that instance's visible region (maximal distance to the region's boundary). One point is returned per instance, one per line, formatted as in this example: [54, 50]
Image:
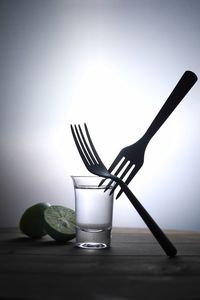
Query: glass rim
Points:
[88, 180]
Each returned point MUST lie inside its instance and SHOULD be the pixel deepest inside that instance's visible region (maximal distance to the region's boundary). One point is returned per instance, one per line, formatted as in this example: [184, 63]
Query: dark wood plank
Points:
[133, 268]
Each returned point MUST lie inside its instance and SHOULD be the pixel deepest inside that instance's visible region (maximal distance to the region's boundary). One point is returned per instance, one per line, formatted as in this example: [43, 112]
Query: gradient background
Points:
[111, 64]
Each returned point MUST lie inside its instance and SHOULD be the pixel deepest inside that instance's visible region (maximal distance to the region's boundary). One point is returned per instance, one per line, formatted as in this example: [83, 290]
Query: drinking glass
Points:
[94, 211]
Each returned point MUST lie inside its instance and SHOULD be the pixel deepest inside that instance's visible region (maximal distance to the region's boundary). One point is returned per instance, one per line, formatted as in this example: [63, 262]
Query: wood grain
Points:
[135, 267]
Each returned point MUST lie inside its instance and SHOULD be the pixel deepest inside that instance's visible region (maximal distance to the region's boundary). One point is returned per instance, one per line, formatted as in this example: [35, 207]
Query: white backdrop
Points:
[111, 64]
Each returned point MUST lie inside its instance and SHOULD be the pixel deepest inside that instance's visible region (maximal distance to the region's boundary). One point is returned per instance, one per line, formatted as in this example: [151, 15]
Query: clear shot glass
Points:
[94, 211]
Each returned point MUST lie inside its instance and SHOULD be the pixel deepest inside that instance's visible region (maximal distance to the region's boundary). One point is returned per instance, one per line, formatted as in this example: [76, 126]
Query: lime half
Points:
[32, 220]
[60, 223]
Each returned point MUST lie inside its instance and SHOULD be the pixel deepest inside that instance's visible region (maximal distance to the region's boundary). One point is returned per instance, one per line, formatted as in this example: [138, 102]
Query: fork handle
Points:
[181, 89]
[162, 239]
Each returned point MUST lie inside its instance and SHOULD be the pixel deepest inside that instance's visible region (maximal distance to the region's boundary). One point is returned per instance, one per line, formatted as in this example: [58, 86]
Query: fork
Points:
[131, 158]
[94, 165]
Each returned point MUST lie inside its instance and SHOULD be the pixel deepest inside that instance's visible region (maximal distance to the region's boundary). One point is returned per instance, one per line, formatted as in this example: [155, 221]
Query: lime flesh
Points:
[60, 223]
[32, 221]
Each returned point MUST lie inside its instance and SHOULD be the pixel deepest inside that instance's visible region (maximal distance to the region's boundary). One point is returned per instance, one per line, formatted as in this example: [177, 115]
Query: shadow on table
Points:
[43, 242]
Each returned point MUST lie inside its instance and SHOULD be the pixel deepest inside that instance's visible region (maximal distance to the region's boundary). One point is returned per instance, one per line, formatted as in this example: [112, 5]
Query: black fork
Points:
[94, 164]
[131, 158]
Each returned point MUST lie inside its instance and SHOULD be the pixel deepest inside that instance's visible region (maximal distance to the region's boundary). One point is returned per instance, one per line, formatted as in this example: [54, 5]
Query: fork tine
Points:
[128, 180]
[102, 181]
[108, 185]
[92, 146]
[84, 149]
[129, 166]
[113, 165]
[115, 162]
[82, 154]
[124, 162]
[113, 188]
[86, 145]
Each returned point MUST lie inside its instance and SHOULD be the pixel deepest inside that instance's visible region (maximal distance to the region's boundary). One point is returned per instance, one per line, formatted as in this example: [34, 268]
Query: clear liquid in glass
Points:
[94, 209]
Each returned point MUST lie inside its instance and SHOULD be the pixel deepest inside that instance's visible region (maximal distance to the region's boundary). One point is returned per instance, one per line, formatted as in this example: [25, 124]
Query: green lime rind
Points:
[60, 223]
[32, 221]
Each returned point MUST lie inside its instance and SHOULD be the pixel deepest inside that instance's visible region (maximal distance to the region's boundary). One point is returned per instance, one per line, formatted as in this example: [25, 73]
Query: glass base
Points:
[93, 239]
[87, 245]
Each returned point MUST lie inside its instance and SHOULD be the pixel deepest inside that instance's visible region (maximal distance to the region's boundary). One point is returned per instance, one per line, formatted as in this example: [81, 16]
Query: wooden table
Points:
[134, 268]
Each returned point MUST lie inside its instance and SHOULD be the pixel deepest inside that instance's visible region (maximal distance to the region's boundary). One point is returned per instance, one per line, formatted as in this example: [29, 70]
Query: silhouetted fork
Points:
[94, 164]
[131, 158]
